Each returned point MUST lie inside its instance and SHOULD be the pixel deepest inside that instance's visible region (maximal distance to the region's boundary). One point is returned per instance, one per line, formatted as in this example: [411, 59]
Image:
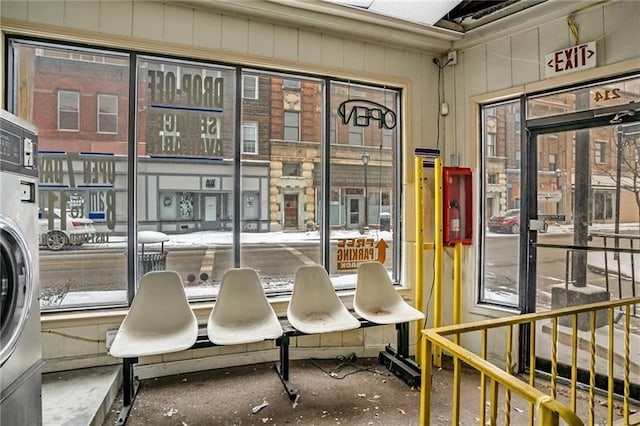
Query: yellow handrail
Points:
[546, 408]
[519, 319]
[531, 394]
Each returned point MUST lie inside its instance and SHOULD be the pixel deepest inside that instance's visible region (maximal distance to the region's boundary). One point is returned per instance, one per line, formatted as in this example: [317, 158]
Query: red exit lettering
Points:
[571, 59]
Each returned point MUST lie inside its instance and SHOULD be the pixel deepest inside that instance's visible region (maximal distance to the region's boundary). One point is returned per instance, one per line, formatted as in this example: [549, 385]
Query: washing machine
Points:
[20, 347]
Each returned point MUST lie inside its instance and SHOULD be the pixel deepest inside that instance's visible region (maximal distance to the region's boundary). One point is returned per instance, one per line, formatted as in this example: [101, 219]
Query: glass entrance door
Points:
[584, 204]
[212, 211]
[587, 193]
[354, 212]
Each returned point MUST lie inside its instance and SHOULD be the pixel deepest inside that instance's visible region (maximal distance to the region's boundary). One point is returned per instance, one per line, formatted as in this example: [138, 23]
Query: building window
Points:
[250, 206]
[552, 162]
[355, 135]
[250, 138]
[68, 110]
[603, 205]
[290, 83]
[178, 206]
[601, 152]
[250, 87]
[291, 126]
[291, 169]
[492, 178]
[491, 145]
[518, 155]
[107, 114]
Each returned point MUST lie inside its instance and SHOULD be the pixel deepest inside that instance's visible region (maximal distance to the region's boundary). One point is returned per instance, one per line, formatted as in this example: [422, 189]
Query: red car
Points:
[510, 222]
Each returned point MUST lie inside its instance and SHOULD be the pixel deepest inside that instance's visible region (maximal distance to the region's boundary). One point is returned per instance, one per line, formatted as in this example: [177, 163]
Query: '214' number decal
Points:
[606, 95]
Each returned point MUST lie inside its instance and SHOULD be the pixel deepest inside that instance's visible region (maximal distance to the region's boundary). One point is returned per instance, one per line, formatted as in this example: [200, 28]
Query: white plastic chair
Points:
[159, 321]
[242, 313]
[314, 306]
[377, 301]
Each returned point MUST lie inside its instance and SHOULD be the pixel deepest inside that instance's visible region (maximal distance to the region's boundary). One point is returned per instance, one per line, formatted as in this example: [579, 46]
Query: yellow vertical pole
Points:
[425, 386]
[457, 282]
[419, 213]
[438, 255]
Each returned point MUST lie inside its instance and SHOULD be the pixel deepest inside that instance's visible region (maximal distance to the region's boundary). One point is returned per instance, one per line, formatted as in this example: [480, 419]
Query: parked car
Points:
[78, 230]
[509, 223]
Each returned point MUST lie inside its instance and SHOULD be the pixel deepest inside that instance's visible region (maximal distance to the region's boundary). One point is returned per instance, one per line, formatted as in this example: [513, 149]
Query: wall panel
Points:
[207, 30]
[115, 18]
[45, 12]
[590, 27]
[374, 58]
[622, 39]
[332, 52]
[285, 43]
[353, 54]
[178, 24]
[261, 38]
[147, 20]
[235, 34]
[525, 66]
[309, 47]
[475, 70]
[499, 64]
[82, 15]
[15, 10]
[552, 36]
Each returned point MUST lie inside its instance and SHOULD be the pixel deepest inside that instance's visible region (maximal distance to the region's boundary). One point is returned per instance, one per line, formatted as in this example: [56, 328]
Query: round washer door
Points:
[16, 285]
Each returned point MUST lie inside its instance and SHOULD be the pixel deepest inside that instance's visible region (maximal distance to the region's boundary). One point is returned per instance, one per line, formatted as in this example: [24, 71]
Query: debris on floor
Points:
[257, 408]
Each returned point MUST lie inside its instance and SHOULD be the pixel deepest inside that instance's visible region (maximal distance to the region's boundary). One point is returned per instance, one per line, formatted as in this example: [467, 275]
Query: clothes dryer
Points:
[20, 347]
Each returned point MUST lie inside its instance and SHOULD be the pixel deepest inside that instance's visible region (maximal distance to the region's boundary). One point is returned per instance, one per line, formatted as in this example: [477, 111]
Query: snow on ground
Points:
[201, 238]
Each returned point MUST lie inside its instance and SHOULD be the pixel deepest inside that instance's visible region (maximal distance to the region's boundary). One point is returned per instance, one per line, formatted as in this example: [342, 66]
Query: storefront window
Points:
[201, 180]
[82, 170]
[279, 218]
[362, 178]
[185, 166]
[502, 189]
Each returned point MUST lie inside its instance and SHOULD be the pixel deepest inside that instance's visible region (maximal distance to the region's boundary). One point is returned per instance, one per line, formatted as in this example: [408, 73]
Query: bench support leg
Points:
[283, 370]
[398, 362]
[129, 389]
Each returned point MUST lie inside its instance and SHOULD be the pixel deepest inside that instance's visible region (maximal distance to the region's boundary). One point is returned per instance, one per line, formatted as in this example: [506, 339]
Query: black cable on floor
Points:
[350, 361]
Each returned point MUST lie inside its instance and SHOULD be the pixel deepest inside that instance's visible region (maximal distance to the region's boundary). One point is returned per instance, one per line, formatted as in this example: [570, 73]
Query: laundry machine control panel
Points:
[18, 145]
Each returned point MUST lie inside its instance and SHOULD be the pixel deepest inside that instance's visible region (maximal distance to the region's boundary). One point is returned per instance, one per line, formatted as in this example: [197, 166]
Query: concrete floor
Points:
[79, 397]
[361, 393]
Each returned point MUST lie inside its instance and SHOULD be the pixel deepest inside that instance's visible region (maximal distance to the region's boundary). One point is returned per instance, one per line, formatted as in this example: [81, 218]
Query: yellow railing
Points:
[543, 409]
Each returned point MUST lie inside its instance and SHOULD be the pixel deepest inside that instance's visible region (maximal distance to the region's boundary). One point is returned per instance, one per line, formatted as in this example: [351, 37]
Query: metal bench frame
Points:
[396, 361]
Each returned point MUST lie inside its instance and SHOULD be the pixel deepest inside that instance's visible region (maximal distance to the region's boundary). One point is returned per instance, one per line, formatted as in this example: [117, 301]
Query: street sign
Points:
[571, 59]
[553, 196]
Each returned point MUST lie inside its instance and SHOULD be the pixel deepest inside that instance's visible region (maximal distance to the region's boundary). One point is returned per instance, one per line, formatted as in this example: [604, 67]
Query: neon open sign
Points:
[360, 113]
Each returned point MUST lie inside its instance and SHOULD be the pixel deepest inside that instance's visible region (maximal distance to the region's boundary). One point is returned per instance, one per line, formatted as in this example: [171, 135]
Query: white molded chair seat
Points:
[242, 313]
[159, 320]
[314, 306]
[377, 301]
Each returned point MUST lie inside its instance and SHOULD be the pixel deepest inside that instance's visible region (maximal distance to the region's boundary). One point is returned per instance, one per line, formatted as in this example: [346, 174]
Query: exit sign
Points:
[571, 59]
